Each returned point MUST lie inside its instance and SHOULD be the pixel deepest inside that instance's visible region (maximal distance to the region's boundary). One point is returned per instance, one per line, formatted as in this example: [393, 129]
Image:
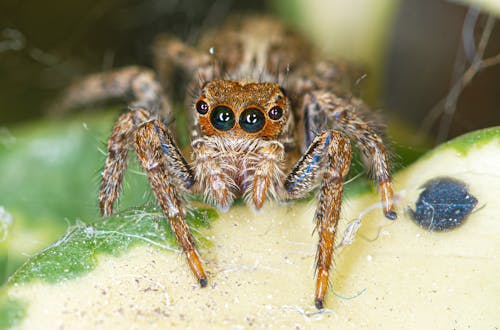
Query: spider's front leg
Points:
[331, 151]
[169, 175]
[329, 154]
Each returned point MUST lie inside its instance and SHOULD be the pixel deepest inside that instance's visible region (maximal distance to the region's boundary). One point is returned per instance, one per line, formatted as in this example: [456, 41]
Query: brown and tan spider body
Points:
[259, 96]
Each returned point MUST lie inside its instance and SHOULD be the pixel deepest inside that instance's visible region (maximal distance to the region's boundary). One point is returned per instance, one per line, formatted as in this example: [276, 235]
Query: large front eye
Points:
[222, 118]
[252, 120]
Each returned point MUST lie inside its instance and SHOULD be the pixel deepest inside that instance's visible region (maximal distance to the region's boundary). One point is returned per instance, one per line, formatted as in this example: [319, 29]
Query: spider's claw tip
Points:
[391, 215]
[319, 304]
[203, 282]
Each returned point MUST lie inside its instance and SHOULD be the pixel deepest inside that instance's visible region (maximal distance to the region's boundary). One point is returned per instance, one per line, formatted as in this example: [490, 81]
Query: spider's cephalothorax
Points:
[238, 151]
[243, 126]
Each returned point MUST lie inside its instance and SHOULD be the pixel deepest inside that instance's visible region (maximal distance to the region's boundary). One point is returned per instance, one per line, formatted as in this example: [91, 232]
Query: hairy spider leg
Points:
[342, 114]
[119, 144]
[168, 173]
[137, 85]
[332, 149]
[329, 154]
[167, 170]
[328, 210]
[153, 145]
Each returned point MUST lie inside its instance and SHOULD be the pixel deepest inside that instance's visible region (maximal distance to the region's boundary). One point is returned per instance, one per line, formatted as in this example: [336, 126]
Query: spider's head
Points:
[239, 109]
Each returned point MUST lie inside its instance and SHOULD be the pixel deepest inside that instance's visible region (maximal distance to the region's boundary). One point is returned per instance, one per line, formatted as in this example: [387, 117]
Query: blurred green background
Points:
[413, 51]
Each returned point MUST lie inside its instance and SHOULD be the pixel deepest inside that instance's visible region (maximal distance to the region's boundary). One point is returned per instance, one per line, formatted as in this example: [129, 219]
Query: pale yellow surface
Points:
[261, 270]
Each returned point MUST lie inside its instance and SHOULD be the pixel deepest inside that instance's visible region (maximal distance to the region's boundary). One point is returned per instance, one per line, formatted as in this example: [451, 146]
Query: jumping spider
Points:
[245, 124]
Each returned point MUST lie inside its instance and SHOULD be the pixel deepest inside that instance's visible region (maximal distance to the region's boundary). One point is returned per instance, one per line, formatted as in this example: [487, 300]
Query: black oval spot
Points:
[252, 120]
[443, 204]
[222, 118]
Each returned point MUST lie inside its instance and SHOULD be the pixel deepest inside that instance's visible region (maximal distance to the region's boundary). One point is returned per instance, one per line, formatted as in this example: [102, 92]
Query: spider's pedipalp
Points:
[214, 172]
[265, 175]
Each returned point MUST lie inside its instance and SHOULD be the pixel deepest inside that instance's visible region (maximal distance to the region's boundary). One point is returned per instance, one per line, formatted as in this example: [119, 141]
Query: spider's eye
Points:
[201, 107]
[275, 113]
[222, 118]
[252, 120]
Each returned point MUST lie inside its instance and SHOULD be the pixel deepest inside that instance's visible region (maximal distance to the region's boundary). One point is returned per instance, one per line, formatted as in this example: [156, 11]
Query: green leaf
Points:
[50, 175]
[76, 253]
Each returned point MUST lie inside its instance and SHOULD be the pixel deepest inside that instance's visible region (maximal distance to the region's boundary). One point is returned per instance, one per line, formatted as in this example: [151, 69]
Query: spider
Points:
[245, 128]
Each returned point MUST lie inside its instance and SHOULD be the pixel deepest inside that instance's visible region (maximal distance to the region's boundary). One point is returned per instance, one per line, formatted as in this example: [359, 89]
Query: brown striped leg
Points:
[150, 148]
[348, 116]
[168, 173]
[136, 85]
[327, 159]
[328, 211]
[119, 143]
[374, 151]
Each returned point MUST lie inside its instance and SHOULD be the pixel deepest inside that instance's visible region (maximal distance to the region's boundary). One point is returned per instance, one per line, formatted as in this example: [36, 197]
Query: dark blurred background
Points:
[431, 46]
[54, 41]
[420, 52]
